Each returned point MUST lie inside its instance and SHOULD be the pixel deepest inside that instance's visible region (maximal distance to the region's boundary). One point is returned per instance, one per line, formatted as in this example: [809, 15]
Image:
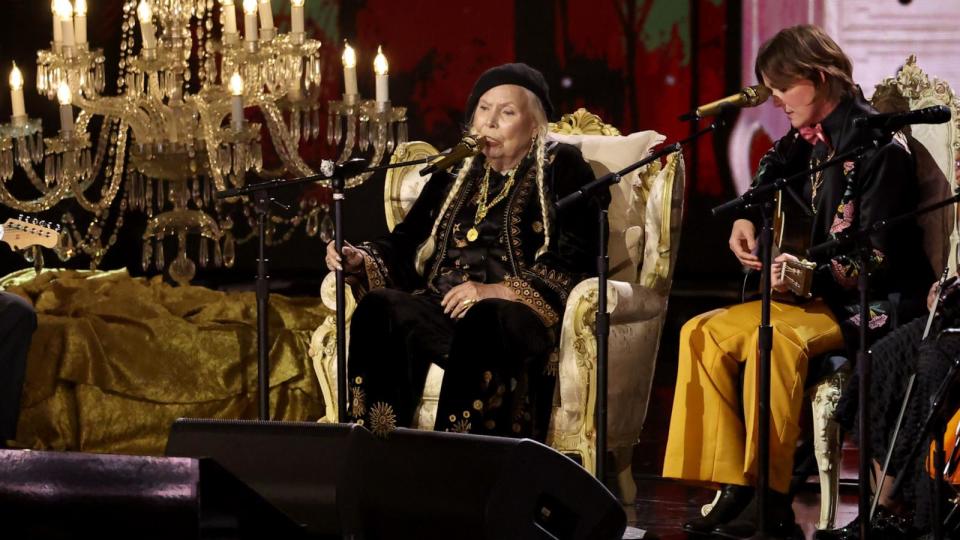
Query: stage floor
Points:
[663, 505]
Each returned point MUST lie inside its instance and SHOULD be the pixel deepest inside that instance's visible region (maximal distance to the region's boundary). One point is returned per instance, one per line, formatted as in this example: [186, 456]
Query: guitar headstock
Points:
[25, 232]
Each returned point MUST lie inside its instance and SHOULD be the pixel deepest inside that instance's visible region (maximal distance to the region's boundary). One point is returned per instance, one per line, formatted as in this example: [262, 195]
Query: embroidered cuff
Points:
[532, 298]
[373, 268]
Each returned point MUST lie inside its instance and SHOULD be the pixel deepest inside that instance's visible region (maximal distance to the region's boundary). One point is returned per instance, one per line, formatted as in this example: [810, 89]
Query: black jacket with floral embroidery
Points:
[510, 235]
[900, 272]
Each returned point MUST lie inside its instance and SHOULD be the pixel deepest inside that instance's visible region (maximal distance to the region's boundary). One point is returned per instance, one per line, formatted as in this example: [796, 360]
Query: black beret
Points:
[519, 74]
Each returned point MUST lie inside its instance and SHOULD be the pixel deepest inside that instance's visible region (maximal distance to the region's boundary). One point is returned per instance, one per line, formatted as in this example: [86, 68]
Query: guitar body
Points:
[793, 228]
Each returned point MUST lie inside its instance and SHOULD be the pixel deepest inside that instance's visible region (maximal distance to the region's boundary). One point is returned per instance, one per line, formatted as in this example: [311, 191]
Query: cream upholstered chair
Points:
[644, 216]
[936, 149]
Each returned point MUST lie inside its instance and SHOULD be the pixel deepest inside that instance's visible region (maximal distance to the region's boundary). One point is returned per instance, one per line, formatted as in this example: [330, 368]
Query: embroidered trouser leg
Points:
[394, 337]
[713, 429]
[494, 381]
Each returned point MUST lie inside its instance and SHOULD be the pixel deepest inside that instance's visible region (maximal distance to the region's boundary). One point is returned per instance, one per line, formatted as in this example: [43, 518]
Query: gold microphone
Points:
[750, 96]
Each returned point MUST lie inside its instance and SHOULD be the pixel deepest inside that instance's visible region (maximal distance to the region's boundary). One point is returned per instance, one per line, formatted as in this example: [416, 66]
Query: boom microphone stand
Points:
[603, 263]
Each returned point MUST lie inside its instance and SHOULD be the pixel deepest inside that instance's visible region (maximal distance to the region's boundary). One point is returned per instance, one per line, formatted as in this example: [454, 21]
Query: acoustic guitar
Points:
[793, 236]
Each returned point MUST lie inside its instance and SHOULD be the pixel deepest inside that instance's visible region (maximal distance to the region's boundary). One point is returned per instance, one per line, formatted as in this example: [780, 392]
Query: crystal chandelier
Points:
[175, 132]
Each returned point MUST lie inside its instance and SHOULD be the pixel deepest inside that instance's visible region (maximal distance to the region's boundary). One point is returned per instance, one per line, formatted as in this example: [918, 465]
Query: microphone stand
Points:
[603, 263]
[337, 175]
[762, 195]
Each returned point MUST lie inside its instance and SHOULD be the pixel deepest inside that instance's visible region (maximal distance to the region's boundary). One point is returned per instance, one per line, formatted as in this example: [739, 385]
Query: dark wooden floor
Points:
[662, 505]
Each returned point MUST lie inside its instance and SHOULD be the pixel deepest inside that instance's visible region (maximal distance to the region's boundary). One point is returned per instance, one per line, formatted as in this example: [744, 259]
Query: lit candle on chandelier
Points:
[229, 16]
[296, 16]
[145, 14]
[349, 70]
[16, 94]
[57, 29]
[380, 68]
[236, 102]
[80, 20]
[65, 10]
[250, 21]
[65, 97]
[266, 15]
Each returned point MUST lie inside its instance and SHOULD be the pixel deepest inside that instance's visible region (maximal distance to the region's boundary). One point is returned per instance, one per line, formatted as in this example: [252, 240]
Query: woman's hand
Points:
[460, 298]
[354, 258]
[742, 243]
[776, 270]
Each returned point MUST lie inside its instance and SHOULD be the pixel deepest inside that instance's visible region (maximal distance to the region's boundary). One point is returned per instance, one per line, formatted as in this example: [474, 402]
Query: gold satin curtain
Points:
[115, 360]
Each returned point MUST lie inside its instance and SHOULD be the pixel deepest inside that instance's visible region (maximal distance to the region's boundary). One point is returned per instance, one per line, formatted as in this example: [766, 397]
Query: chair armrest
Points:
[323, 344]
[626, 302]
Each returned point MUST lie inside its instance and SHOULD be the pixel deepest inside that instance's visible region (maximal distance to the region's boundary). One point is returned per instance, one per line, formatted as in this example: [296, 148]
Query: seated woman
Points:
[713, 429]
[904, 352]
[476, 277]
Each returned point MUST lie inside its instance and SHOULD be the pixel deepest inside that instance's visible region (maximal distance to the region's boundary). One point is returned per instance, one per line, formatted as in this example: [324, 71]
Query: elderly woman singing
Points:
[476, 277]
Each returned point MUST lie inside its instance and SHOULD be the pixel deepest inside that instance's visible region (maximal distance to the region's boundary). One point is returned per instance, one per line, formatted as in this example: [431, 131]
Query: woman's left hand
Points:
[460, 298]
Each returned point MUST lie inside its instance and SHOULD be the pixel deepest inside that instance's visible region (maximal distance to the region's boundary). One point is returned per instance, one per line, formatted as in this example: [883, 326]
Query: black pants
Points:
[18, 320]
[494, 361]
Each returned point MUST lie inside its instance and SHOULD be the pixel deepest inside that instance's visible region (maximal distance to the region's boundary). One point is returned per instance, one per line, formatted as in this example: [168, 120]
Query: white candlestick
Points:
[80, 21]
[147, 32]
[250, 20]
[381, 68]
[349, 70]
[229, 16]
[296, 16]
[236, 102]
[57, 29]
[66, 28]
[266, 15]
[16, 92]
[65, 97]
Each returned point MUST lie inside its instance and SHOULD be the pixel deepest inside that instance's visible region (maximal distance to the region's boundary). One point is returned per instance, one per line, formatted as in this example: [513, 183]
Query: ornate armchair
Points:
[936, 149]
[644, 217]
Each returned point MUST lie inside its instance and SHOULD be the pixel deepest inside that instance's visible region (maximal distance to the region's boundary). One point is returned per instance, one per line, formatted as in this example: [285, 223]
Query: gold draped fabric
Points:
[115, 360]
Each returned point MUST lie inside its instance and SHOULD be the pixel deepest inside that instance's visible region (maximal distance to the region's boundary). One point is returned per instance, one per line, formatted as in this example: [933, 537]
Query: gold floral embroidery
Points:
[358, 402]
[374, 267]
[383, 420]
[532, 298]
[478, 405]
[460, 426]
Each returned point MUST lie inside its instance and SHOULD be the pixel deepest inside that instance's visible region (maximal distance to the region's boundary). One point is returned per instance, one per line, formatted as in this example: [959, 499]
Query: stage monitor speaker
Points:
[412, 484]
[58, 495]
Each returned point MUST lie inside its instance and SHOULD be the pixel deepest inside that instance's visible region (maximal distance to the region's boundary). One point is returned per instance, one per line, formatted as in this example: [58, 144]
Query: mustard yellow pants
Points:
[713, 430]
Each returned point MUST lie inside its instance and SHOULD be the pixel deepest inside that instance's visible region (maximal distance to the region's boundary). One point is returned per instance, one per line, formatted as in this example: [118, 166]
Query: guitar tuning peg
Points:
[20, 217]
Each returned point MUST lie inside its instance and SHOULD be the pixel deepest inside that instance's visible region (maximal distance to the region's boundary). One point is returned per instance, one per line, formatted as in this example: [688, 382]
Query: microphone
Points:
[937, 114]
[750, 96]
[469, 145]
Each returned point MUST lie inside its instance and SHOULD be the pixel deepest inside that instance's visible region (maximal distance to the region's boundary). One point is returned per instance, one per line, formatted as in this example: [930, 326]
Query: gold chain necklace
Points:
[816, 180]
[483, 206]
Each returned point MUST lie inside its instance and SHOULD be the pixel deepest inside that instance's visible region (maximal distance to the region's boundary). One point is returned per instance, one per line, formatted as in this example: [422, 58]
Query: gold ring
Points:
[468, 302]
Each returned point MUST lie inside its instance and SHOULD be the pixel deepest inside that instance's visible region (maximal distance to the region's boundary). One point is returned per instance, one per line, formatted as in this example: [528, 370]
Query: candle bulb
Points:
[16, 94]
[65, 97]
[250, 21]
[296, 16]
[266, 15]
[380, 67]
[229, 17]
[236, 102]
[349, 70]
[57, 29]
[65, 11]
[80, 21]
[145, 14]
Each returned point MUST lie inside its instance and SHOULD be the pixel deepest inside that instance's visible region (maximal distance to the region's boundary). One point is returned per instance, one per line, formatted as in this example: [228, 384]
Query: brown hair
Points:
[804, 52]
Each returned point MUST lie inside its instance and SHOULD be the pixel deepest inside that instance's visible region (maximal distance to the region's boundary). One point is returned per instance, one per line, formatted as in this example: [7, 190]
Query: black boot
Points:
[781, 520]
[885, 524]
[732, 500]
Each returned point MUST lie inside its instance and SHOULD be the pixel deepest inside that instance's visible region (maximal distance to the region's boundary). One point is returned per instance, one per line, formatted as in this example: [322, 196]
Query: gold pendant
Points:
[473, 234]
